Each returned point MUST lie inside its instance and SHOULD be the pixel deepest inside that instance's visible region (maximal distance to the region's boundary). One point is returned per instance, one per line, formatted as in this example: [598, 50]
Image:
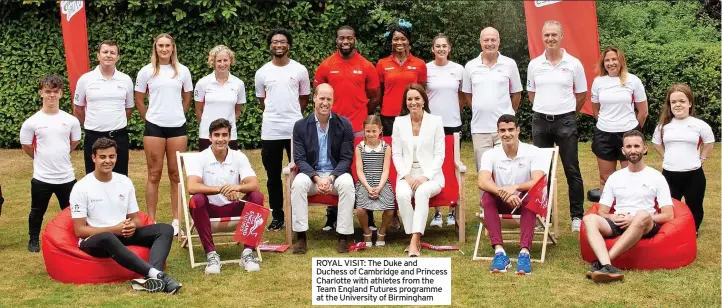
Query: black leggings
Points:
[691, 186]
[40, 193]
[158, 237]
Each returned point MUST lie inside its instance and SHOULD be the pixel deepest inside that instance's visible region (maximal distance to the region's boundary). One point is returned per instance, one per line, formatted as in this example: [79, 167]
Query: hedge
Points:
[664, 43]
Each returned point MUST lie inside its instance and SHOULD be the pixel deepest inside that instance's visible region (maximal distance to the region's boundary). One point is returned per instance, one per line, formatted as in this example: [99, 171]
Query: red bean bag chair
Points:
[65, 262]
[674, 246]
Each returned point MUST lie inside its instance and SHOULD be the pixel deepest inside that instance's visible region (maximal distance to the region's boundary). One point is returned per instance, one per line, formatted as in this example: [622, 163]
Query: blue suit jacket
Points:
[340, 144]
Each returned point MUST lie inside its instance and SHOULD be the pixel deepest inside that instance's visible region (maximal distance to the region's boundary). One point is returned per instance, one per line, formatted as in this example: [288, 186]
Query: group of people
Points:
[420, 104]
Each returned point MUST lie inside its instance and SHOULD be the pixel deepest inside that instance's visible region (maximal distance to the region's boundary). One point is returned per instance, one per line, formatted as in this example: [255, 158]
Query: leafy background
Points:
[664, 41]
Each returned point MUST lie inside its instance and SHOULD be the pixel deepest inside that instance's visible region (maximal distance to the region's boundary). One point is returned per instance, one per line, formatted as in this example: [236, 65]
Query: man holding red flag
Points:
[557, 89]
[504, 173]
[218, 180]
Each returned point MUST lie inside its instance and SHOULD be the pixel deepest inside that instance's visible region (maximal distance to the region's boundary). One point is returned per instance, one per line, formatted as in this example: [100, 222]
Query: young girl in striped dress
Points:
[373, 189]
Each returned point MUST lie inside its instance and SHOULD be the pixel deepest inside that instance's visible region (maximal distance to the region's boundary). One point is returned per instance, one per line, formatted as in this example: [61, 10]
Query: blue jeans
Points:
[561, 130]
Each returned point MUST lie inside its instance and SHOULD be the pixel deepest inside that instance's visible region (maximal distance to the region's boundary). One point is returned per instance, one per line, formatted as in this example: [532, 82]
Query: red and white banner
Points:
[75, 39]
[538, 197]
[580, 33]
[250, 228]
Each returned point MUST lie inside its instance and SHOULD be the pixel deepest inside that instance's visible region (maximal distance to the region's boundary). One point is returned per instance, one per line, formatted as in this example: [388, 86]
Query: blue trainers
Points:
[500, 263]
[523, 266]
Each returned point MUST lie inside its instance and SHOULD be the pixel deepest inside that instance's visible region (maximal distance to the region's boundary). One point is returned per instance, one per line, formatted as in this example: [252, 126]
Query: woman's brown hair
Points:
[666, 116]
[601, 71]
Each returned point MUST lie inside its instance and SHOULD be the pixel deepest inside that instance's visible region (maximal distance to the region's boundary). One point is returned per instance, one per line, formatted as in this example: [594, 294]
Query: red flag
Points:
[579, 25]
[538, 197]
[250, 228]
[75, 39]
[273, 247]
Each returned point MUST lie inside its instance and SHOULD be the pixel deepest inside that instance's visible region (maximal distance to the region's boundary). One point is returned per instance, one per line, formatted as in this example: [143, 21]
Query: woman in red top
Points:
[397, 71]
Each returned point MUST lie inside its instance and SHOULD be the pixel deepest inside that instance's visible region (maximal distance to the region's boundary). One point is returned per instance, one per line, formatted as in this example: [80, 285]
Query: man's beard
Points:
[345, 53]
[633, 160]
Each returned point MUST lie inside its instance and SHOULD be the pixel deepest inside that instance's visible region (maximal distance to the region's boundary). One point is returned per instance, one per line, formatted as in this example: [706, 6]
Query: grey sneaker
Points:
[249, 261]
[214, 263]
[150, 285]
[576, 224]
[172, 286]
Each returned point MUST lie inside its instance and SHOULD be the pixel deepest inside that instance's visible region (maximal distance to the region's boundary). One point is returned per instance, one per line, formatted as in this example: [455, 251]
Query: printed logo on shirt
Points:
[96, 200]
[77, 97]
[411, 67]
[358, 72]
[333, 72]
[76, 208]
[388, 68]
[121, 197]
[231, 171]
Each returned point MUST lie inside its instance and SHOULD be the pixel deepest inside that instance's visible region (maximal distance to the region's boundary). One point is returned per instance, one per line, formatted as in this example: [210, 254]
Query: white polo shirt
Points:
[443, 84]
[165, 104]
[616, 109]
[105, 100]
[103, 204]
[281, 86]
[219, 101]
[555, 86]
[232, 170]
[636, 191]
[508, 171]
[50, 135]
[681, 142]
[491, 88]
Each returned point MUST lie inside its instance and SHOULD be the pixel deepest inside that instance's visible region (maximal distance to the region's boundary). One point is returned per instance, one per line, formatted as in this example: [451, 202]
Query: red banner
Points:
[250, 228]
[538, 197]
[75, 39]
[580, 35]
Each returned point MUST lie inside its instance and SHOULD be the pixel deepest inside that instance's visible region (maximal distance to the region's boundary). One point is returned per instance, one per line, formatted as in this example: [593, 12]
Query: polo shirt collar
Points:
[481, 57]
[521, 151]
[100, 74]
[212, 158]
[340, 58]
[230, 79]
[565, 56]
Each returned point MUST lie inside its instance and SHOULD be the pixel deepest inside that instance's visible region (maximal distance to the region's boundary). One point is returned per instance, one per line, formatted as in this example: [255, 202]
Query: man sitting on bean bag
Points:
[105, 218]
[634, 189]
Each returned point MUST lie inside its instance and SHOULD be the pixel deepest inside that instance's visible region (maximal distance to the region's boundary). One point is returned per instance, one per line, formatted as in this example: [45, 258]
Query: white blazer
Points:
[430, 153]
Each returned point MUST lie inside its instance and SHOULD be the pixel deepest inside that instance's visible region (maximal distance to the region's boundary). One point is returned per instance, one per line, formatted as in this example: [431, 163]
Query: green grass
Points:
[285, 279]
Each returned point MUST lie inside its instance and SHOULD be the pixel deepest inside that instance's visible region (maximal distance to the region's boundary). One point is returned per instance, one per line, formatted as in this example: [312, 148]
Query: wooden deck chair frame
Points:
[460, 172]
[511, 221]
[223, 227]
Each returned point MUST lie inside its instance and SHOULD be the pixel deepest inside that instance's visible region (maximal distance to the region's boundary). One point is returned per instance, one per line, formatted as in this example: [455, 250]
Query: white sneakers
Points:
[249, 261]
[214, 263]
[576, 224]
[437, 221]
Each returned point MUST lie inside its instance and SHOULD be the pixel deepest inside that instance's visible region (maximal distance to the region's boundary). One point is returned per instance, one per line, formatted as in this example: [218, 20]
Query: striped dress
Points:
[373, 166]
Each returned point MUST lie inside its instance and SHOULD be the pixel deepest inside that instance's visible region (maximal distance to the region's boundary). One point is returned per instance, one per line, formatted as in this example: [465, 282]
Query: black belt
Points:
[553, 117]
[110, 134]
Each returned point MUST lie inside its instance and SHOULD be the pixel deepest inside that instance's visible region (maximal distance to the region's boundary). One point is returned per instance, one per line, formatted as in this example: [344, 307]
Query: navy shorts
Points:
[617, 231]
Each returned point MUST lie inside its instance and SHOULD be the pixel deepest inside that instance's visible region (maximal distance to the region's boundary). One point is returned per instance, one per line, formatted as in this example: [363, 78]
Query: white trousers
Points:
[415, 219]
[303, 186]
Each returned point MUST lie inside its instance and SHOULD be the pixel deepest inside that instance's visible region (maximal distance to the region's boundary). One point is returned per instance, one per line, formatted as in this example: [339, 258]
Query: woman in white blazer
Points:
[418, 153]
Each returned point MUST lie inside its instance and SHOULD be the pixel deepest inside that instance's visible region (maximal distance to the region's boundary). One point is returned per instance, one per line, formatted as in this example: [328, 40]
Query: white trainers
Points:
[576, 224]
[176, 226]
[249, 261]
[437, 221]
[450, 219]
[214, 263]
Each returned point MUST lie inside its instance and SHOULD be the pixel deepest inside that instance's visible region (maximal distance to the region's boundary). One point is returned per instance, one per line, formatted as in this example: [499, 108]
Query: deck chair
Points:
[510, 223]
[222, 227]
[451, 195]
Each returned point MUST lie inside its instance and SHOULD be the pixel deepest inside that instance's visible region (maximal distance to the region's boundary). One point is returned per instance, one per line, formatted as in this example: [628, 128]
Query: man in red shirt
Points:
[353, 78]
[356, 89]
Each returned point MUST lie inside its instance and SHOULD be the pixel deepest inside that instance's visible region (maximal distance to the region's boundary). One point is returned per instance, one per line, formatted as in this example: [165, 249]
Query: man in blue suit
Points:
[323, 151]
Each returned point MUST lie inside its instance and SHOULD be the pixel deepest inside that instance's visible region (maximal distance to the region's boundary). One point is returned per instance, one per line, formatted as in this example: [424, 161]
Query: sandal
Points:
[381, 239]
[367, 239]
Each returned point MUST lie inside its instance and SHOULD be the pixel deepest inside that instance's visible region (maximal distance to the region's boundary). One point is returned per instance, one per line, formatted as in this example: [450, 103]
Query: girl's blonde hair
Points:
[375, 120]
[154, 58]
[215, 51]
[602, 71]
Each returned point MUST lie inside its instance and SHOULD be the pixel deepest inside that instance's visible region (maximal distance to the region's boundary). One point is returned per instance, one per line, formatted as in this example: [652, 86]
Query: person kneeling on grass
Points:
[217, 179]
[105, 218]
[516, 167]
[634, 190]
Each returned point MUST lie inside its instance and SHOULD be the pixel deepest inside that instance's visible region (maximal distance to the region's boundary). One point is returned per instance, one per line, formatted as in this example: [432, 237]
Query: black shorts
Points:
[617, 231]
[450, 130]
[152, 130]
[608, 146]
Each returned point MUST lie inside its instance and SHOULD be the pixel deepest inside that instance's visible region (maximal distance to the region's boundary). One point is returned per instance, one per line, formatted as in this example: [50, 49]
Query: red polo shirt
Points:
[395, 78]
[350, 79]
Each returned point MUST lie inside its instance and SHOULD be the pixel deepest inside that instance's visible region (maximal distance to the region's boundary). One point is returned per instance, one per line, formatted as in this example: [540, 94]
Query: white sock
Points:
[246, 251]
[499, 249]
[153, 273]
[176, 222]
[524, 250]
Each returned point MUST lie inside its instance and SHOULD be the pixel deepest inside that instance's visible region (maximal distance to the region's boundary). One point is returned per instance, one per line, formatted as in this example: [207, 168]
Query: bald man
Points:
[323, 151]
[492, 87]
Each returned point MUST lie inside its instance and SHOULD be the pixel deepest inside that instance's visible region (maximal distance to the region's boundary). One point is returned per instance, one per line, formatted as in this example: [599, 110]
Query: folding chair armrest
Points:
[460, 166]
[289, 168]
